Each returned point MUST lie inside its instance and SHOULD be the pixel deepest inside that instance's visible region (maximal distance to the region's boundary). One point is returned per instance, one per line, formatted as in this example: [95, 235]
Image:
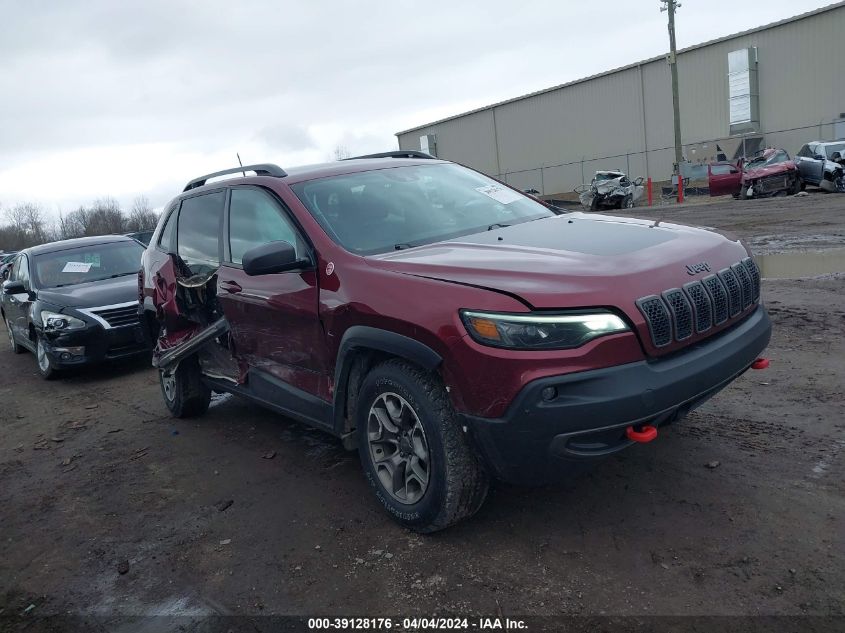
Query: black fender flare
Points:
[360, 337]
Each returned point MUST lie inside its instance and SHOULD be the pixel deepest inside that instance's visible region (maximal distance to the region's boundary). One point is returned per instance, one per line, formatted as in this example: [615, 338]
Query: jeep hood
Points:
[573, 260]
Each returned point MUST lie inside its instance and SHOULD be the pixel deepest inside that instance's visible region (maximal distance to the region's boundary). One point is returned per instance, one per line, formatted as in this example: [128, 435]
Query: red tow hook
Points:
[760, 363]
[645, 434]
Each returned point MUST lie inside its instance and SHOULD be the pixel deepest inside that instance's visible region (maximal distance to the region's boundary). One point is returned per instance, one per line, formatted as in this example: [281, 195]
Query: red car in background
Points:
[772, 172]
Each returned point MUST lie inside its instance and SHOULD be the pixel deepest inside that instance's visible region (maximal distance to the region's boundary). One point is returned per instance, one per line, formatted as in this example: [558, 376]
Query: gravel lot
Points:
[109, 508]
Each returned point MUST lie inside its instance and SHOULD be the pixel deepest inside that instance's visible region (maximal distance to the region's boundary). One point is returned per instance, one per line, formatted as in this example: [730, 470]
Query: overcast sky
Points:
[100, 99]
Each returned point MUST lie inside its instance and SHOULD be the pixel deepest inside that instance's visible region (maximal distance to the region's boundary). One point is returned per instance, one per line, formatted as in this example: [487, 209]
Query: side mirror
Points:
[272, 257]
[819, 157]
[13, 287]
[638, 181]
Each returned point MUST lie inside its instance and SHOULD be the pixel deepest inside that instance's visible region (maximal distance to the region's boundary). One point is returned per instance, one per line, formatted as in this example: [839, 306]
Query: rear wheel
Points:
[185, 394]
[414, 452]
[16, 349]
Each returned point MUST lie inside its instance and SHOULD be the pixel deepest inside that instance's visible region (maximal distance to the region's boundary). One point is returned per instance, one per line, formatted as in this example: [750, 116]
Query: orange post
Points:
[650, 194]
[680, 188]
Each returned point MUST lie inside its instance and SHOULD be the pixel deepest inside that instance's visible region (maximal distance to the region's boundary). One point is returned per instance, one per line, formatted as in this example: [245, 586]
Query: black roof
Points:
[52, 247]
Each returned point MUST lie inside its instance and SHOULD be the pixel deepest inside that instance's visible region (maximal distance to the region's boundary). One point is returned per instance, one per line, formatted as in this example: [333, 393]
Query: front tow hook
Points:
[760, 363]
[646, 433]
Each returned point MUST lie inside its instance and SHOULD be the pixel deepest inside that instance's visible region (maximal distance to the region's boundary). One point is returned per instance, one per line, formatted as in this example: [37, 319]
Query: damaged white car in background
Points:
[610, 190]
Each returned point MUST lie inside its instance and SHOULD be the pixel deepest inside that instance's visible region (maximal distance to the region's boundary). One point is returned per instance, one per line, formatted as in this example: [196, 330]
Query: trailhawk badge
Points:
[694, 269]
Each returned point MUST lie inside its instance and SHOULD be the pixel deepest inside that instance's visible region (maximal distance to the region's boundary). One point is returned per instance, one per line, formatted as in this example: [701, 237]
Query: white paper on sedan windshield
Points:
[500, 194]
[76, 267]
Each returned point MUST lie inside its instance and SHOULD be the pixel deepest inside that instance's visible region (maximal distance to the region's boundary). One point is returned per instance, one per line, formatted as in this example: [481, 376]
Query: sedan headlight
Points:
[540, 331]
[55, 322]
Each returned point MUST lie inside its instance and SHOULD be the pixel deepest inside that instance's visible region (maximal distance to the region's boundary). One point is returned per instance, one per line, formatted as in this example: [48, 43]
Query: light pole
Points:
[670, 6]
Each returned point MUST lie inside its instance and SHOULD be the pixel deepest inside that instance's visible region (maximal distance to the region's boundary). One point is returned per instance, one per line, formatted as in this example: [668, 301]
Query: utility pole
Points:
[670, 6]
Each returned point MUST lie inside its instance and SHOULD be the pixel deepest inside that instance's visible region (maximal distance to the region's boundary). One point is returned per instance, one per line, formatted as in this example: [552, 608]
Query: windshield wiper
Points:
[402, 246]
[497, 225]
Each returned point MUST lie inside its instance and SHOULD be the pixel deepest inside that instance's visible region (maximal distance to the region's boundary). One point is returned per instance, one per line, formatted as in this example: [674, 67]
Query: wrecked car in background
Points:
[74, 302]
[771, 173]
[610, 190]
[823, 165]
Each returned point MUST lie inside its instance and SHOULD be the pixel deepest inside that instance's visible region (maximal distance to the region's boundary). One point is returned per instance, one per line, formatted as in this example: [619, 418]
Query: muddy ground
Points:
[110, 508]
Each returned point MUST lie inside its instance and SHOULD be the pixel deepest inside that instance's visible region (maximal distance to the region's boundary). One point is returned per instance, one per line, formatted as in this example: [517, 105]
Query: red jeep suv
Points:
[449, 327]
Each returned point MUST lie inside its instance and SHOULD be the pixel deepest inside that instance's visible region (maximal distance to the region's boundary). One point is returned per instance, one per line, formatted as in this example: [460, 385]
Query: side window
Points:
[804, 152]
[198, 230]
[165, 240]
[255, 219]
[21, 271]
[720, 170]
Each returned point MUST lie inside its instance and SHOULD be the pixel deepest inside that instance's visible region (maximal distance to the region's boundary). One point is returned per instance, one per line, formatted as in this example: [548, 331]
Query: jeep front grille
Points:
[701, 305]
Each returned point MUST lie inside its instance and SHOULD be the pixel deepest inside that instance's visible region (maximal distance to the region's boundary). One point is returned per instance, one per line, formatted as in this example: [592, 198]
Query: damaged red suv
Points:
[448, 327]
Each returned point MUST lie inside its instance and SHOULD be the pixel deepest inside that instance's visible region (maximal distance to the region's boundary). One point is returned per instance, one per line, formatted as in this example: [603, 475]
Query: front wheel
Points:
[627, 203]
[185, 394]
[45, 365]
[414, 452]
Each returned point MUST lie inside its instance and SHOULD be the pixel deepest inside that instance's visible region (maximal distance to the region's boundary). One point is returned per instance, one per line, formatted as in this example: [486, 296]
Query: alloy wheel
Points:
[398, 448]
[168, 383]
[41, 355]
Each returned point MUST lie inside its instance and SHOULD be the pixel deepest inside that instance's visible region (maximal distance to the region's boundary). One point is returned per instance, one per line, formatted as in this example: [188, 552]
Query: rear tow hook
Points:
[646, 433]
[760, 363]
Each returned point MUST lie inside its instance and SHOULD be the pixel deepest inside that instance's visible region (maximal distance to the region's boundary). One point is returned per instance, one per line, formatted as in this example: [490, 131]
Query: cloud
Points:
[106, 98]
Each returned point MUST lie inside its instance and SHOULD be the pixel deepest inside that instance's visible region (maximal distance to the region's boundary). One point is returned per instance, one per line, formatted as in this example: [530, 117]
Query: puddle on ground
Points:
[804, 264]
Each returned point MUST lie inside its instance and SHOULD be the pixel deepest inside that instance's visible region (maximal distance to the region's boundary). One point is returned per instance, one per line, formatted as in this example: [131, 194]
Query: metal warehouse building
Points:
[777, 85]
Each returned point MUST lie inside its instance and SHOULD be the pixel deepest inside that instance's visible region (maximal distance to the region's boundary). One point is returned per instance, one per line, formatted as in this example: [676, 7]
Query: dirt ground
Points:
[109, 508]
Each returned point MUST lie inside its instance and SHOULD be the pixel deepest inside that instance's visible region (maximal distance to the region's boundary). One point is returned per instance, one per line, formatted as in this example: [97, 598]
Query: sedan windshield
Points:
[768, 159]
[88, 263]
[401, 207]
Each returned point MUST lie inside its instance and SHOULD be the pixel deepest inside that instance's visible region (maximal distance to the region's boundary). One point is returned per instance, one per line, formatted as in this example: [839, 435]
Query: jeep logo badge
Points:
[702, 267]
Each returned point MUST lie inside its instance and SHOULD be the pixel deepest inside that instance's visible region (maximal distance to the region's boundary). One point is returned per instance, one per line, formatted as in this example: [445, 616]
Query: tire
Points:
[456, 482]
[46, 369]
[184, 392]
[16, 349]
[797, 185]
[627, 203]
[743, 193]
[594, 204]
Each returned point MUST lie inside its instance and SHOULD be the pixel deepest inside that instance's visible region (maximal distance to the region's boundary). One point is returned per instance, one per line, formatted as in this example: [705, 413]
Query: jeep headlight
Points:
[540, 331]
[55, 322]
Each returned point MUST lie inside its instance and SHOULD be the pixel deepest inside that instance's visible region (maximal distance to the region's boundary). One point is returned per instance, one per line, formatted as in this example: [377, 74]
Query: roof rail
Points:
[407, 153]
[264, 169]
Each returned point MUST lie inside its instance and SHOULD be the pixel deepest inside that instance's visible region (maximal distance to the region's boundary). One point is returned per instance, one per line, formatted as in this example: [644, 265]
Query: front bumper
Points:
[94, 344]
[537, 438]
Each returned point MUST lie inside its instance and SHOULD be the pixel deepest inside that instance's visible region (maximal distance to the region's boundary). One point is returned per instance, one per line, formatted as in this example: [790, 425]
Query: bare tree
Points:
[341, 152]
[25, 226]
[141, 216]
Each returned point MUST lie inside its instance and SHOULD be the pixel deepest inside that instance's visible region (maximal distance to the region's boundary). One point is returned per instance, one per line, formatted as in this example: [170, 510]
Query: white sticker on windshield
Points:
[499, 193]
[76, 267]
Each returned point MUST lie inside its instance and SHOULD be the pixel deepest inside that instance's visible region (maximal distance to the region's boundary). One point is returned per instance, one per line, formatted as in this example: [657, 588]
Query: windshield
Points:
[838, 147]
[84, 264]
[773, 158]
[401, 207]
[607, 176]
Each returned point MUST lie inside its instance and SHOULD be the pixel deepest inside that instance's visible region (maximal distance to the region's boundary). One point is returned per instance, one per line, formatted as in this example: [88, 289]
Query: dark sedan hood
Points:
[573, 259]
[92, 294]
